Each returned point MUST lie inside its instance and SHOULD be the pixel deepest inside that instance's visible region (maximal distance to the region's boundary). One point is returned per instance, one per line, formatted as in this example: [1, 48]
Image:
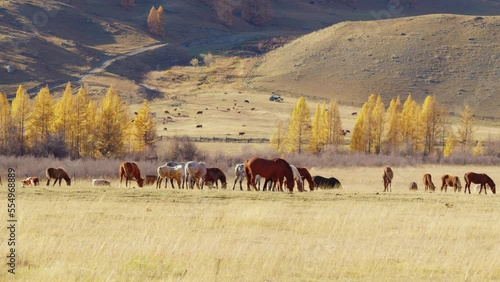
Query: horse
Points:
[413, 186]
[298, 178]
[100, 182]
[276, 169]
[150, 179]
[452, 181]
[31, 181]
[183, 174]
[169, 172]
[57, 174]
[332, 182]
[195, 171]
[387, 178]
[306, 176]
[428, 182]
[239, 172]
[479, 178]
[213, 175]
[131, 171]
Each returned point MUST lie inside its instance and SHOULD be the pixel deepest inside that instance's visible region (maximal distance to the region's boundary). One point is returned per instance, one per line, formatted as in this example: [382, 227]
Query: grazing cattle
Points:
[199, 112]
[276, 169]
[165, 128]
[241, 133]
[100, 182]
[31, 181]
[195, 171]
[428, 182]
[167, 112]
[199, 126]
[150, 180]
[479, 178]
[323, 182]
[246, 101]
[413, 186]
[252, 109]
[306, 176]
[387, 178]
[174, 172]
[354, 113]
[452, 181]
[57, 174]
[213, 176]
[239, 172]
[131, 172]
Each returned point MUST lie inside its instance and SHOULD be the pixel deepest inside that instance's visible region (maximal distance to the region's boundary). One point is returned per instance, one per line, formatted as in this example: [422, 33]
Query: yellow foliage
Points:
[299, 130]
[393, 135]
[478, 150]
[21, 108]
[278, 140]
[144, 129]
[449, 147]
[42, 117]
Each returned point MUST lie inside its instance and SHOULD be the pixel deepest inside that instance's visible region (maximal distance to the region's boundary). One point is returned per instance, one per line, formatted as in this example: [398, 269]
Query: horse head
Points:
[140, 181]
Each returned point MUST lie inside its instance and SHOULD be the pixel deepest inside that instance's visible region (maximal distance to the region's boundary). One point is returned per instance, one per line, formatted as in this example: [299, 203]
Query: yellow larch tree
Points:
[89, 146]
[64, 118]
[5, 123]
[449, 147]
[278, 139]
[144, 129]
[443, 126]
[334, 126]
[153, 20]
[315, 143]
[410, 131]
[429, 119]
[377, 128]
[21, 109]
[299, 130]
[393, 135]
[466, 129]
[41, 123]
[80, 108]
[161, 21]
[357, 143]
[113, 122]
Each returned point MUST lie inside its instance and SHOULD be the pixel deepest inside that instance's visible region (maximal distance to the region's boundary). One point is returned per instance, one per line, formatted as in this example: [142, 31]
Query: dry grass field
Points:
[356, 233]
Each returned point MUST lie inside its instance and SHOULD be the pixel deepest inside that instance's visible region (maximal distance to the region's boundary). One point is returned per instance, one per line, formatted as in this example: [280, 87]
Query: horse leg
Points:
[48, 182]
[236, 180]
[172, 182]
[158, 182]
[484, 188]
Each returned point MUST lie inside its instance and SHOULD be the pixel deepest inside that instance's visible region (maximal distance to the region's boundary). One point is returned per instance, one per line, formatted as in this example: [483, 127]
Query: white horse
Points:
[174, 164]
[170, 172]
[195, 172]
[239, 172]
[298, 178]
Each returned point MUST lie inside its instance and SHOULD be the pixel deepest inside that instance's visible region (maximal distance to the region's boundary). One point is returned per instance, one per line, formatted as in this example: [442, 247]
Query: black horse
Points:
[328, 183]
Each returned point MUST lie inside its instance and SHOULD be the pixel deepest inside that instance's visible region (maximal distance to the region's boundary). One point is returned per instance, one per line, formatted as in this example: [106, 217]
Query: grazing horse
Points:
[31, 181]
[213, 175]
[387, 177]
[479, 178]
[332, 182]
[428, 182]
[131, 171]
[413, 186]
[195, 172]
[183, 174]
[298, 178]
[275, 169]
[150, 179]
[304, 173]
[170, 172]
[452, 181]
[239, 172]
[57, 174]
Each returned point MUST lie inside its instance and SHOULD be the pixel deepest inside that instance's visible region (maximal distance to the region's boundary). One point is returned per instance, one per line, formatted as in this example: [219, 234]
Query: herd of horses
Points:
[481, 179]
[279, 175]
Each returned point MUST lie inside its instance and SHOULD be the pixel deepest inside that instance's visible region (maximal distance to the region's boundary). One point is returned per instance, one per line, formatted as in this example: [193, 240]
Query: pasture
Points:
[357, 233]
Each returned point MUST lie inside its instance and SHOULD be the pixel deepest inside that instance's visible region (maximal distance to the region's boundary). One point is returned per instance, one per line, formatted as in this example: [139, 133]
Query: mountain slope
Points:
[455, 58]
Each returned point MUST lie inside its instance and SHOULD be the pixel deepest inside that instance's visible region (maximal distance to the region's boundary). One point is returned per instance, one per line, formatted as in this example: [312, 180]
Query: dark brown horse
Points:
[387, 178]
[428, 182]
[306, 176]
[213, 175]
[131, 172]
[479, 178]
[57, 174]
[452, 181]
[275, 169]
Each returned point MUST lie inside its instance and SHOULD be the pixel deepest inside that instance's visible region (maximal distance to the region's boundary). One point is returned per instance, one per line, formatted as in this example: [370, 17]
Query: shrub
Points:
[208, 59]
[194, 62]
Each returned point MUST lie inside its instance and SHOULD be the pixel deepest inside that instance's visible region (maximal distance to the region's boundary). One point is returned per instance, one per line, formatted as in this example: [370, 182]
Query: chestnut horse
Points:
[452, 181]
[131, 171]
[306, 176]
[428, 182]
[479, 178]
[387, 178]
[275, 169]
[213, 175]
[57, 174]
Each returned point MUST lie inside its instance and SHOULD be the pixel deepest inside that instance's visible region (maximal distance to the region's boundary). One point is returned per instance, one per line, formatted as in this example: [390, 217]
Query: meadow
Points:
[357, 233]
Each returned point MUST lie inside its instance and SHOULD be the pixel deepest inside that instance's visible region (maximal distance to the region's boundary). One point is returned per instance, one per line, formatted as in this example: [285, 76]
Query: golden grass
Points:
[355, 233]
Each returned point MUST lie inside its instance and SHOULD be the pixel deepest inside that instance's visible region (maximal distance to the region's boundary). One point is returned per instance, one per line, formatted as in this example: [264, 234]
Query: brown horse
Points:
[306, 176]
[275, 169]
[479, 178]
[131, 171]
[387, 178]
[413, 186]
[452, 181]
[428, 182]
[57, 174]
[213, 175]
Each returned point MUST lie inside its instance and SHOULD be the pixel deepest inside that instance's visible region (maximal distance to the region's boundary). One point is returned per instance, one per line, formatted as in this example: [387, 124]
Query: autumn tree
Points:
[377, 127]
[5, 123]
[41, 123]
[90, 132]
[443, 125]
[299, 130]
[21, 109]
[334, 126]
[393, 135]
[144, 129]
[80, 111]
[366, 130]
[278, 139]
[161, 21]
[466, 129]
[429, 119]
[64, 116]
[256, 12]
[156, 21]
[113, 122]
[449, 147]
[410, 130]
[318, 137]
[478, 150]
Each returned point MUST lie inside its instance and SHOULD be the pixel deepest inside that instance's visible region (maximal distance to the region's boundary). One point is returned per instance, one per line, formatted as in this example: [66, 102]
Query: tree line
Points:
[74, 126]
[406, 129]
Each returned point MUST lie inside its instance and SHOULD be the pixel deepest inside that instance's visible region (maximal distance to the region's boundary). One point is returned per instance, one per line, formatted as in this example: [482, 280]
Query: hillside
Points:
[455, 58]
